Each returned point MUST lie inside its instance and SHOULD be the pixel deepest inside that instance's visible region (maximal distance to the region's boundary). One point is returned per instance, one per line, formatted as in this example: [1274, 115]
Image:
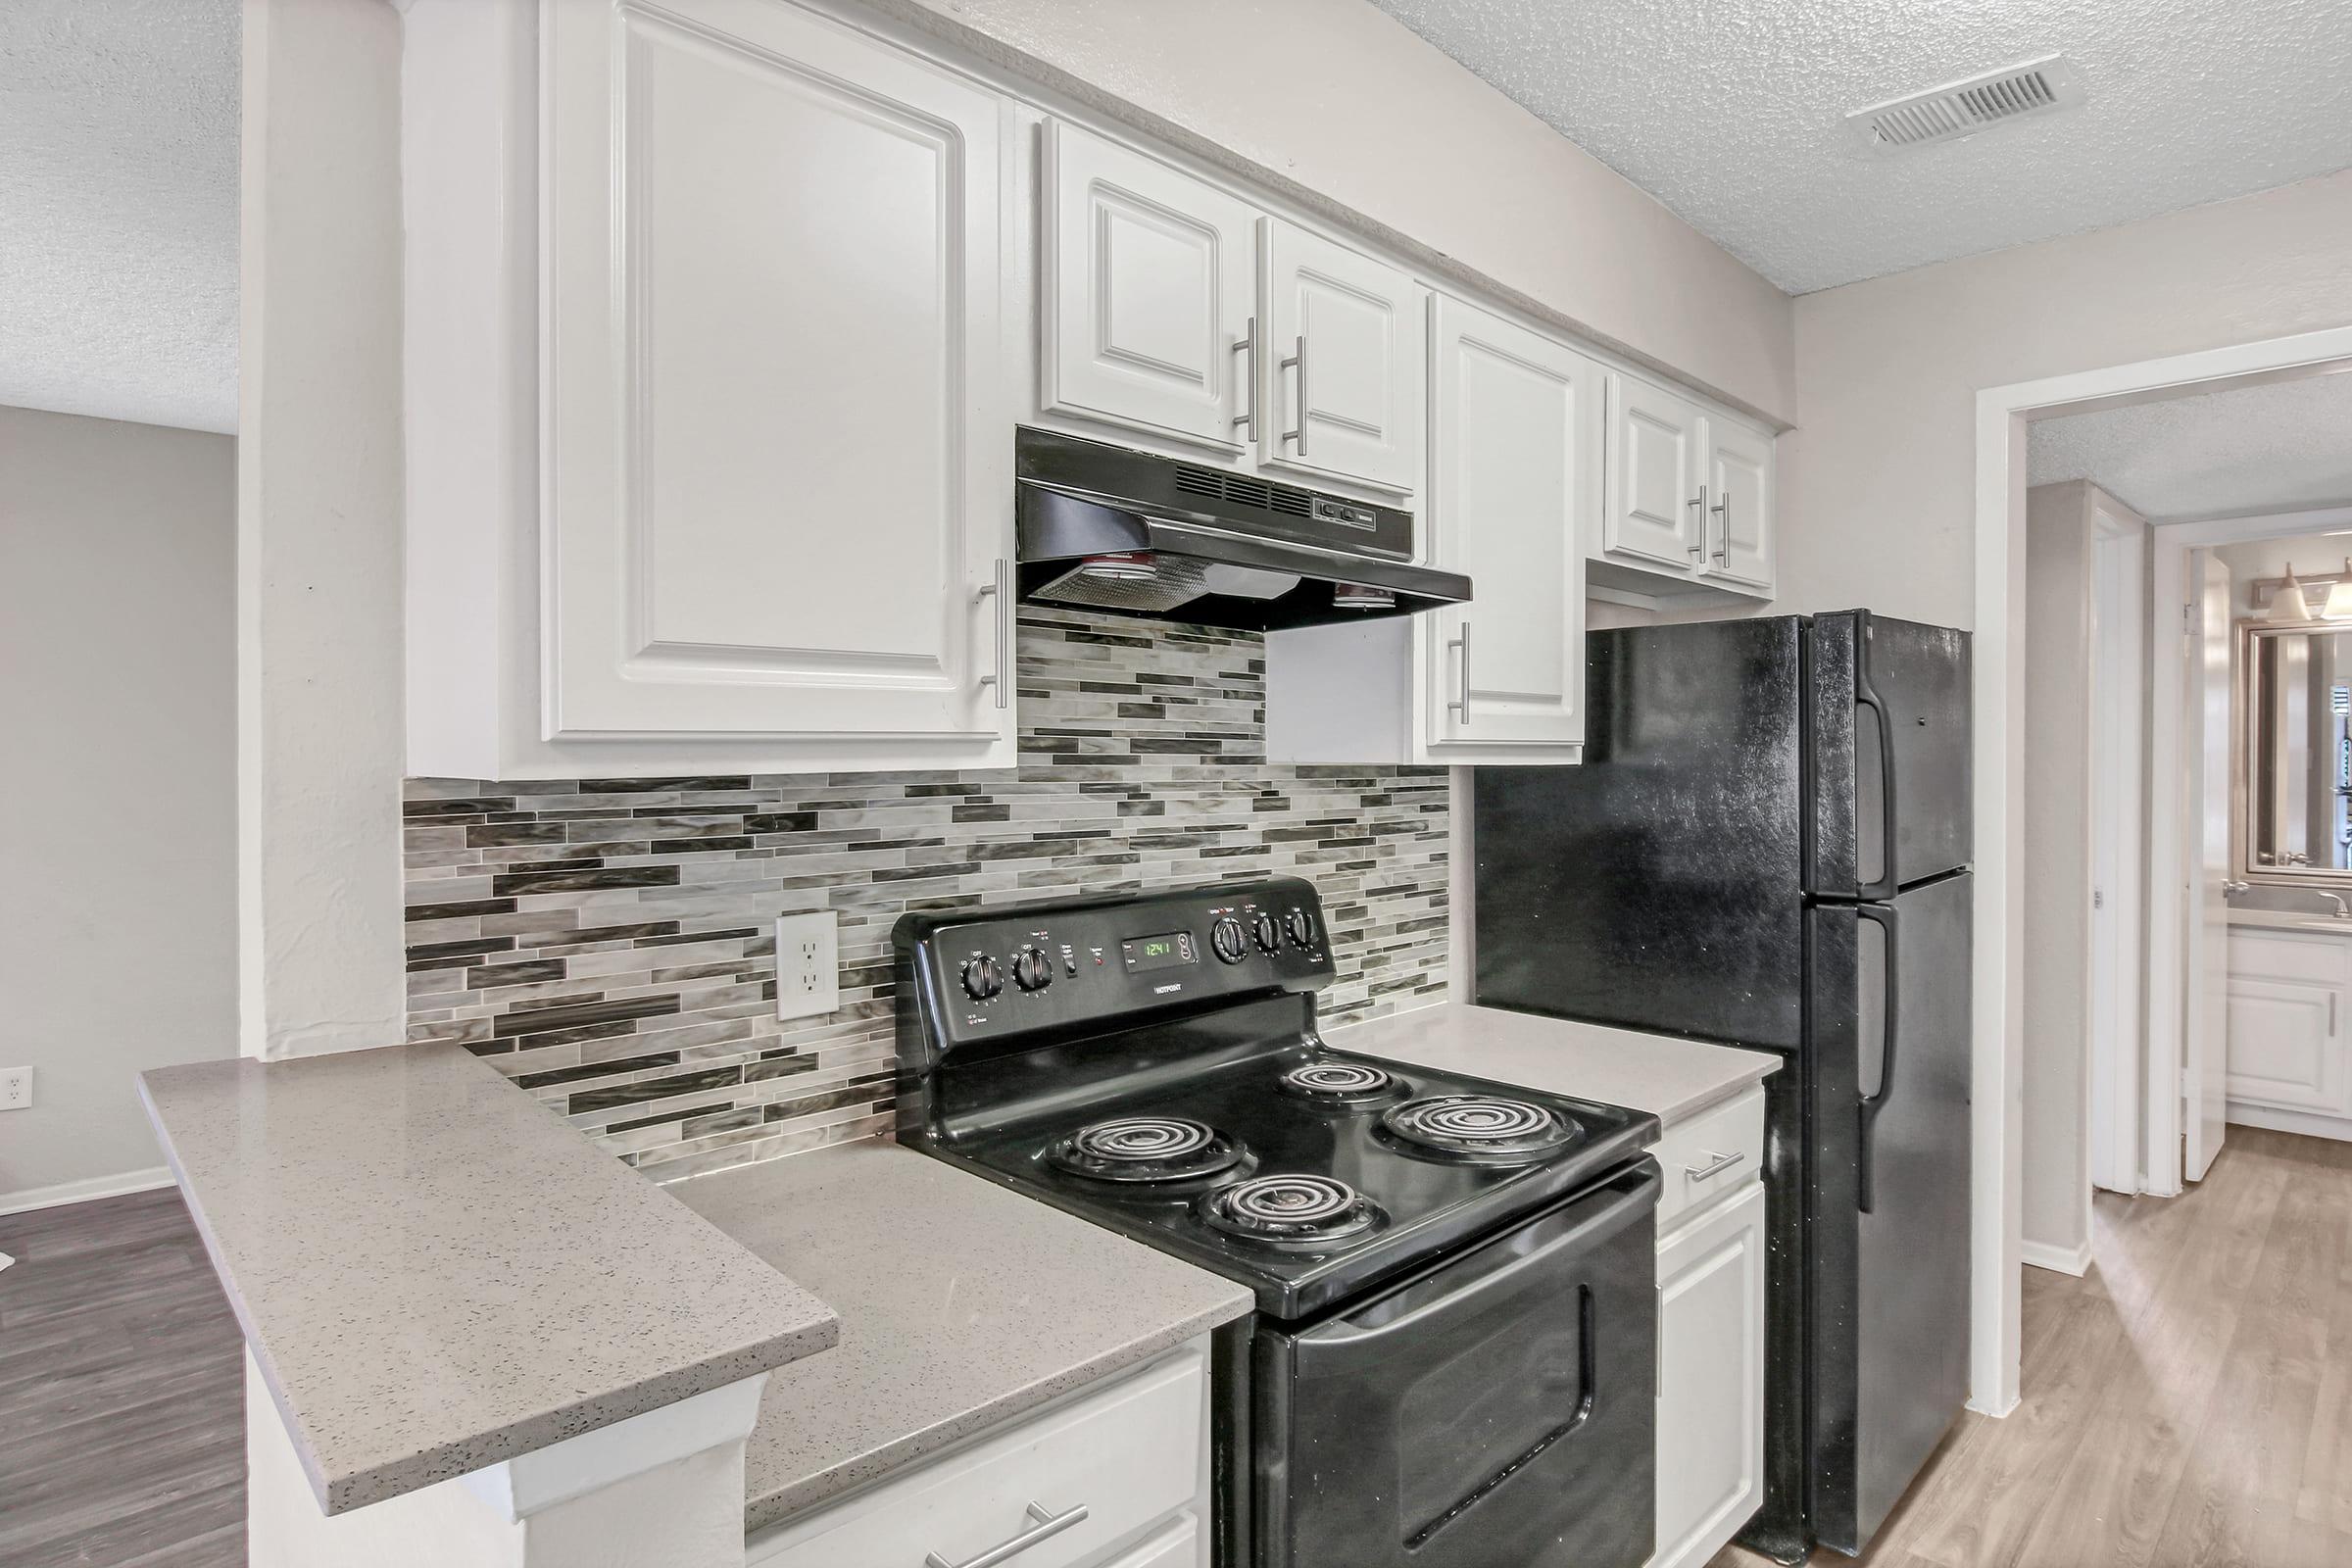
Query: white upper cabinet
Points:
[1689, 494]
[1740, 527]
[776, 494]
[1653, 508]
[1340, 341]
[1147, 293]
[1514, 467]
[1514, 483]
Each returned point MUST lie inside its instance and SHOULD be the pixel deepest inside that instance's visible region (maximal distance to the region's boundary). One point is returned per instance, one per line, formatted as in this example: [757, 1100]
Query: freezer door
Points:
[1890, 716]
[1890, 1234]
[1658, 886]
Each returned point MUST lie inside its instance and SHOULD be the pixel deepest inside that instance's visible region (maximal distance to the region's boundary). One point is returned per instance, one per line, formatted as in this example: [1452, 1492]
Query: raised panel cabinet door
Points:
[2284, 1045]
[1514, 470]
[1710, 1380]
[1342, 338]
[777, 482]
[1741, 536]
[1653, 507]
[1148, 289]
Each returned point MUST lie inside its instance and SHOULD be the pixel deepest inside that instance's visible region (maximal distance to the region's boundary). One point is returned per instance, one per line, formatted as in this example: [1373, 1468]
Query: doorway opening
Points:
[2011, 882]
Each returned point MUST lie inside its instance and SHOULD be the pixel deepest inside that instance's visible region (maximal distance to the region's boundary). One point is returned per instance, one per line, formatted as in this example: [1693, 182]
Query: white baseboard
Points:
[2074, 1260]
[2307, 1123]
[82, 1192]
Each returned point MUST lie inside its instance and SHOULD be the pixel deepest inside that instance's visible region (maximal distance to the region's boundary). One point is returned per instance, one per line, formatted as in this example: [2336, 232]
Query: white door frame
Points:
[2118, 844]
[2172, 552]
[1998, 1146]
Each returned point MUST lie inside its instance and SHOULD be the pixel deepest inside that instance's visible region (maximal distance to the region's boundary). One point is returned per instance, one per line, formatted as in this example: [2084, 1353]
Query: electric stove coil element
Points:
[1339, 1082]
[1479, 1127]
[1145, 1149]
[1291, 1210]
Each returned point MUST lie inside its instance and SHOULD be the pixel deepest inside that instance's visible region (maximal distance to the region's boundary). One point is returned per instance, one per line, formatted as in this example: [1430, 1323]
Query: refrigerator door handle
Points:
[1871, 1104]
[1868, 696]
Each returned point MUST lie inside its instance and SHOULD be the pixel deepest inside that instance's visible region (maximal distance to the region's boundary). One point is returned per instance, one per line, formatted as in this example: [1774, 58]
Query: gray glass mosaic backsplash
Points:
[609, 942]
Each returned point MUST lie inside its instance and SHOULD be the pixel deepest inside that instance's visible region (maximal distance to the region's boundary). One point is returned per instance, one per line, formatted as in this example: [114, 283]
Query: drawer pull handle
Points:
[1715, 1166]
[1046, 1524]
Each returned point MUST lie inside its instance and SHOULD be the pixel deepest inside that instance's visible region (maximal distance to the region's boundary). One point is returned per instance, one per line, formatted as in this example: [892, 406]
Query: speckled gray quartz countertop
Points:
[434, 1273]
[1669, 1077]
[962, 1304]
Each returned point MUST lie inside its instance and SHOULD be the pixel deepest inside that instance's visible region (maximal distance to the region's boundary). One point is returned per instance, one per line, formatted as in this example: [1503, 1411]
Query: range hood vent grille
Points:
[1963, 107]
[1242, 491]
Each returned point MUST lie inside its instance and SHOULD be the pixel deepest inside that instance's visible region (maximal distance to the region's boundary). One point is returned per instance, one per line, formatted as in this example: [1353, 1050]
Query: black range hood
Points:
[1102, 528]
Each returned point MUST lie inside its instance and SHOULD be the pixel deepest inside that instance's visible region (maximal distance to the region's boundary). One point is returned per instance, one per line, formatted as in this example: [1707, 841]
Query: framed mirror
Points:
[2294, 763]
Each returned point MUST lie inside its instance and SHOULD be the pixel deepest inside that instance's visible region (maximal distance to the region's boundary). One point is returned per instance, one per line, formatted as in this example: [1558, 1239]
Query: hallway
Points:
[2187, 1403]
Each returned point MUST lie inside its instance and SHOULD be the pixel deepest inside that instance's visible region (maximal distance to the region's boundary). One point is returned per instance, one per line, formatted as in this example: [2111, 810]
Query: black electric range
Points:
[1453, 1356]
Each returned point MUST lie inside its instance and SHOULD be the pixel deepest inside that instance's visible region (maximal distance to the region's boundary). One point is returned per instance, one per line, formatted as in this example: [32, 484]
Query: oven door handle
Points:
[1489, 1269]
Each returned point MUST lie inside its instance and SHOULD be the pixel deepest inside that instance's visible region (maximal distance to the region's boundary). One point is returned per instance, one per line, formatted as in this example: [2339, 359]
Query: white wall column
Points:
[319, 742]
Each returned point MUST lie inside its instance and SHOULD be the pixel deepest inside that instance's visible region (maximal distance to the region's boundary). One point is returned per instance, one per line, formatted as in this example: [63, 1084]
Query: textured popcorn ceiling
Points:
[2279, 447]
[1730, 112]
[119, 209]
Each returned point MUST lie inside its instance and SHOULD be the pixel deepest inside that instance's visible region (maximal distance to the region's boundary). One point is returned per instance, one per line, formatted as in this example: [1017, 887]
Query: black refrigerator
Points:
[1766, 845]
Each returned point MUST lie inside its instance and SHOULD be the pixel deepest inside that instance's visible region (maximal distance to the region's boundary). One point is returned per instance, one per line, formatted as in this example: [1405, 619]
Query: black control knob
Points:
[1032, 970]
[1301, 927]
[1226, 937]
[1268, 933]
[983, 978]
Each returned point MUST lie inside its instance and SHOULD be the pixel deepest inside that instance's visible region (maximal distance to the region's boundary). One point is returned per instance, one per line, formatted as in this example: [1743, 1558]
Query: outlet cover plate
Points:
[16, 1087]
[808, 965]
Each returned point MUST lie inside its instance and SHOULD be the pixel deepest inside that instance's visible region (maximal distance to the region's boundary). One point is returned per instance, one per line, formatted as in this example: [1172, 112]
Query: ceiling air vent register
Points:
[1963, 107]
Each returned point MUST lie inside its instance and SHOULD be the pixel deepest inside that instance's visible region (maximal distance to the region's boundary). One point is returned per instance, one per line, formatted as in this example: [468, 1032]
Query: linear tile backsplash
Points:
[609, 942]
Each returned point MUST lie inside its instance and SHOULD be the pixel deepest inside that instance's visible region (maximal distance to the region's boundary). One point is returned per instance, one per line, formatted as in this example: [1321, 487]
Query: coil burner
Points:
[1145, 1149]
[1342, 1083]
[1291, 1211]
[1479, 1127]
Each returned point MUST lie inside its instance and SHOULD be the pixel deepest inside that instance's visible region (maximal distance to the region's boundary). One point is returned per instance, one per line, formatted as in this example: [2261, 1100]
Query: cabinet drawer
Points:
[1727, 1144]
[1129, 1455]
[2290, 955]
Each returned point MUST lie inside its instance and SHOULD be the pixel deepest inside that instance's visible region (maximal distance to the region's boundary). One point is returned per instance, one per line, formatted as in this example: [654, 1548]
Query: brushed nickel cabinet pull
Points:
[1715, 1165]
[1296, 435]
[1046, 1524]
[1700, 501]
[1244, 393]
[1001, 591]
[1723, 537]
[1461, 704]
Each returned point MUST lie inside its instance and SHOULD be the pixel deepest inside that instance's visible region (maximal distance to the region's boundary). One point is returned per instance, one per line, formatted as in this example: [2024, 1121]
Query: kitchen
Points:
[1174, 839]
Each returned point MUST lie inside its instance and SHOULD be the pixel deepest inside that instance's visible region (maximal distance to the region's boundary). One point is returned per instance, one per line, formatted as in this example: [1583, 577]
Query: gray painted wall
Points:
[117, 748]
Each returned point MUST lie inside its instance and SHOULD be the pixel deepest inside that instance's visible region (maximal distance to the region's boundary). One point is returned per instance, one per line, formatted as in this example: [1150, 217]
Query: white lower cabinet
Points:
[1116, 1478]
[2289, 999]
[1710, 1394]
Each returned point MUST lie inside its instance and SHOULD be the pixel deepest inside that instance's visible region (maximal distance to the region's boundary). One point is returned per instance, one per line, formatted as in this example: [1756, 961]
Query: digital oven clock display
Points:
[1167, 950]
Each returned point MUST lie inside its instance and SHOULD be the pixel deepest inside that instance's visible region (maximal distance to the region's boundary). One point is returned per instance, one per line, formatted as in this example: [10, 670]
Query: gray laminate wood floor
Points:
[2186, 1403]
[122, 1392]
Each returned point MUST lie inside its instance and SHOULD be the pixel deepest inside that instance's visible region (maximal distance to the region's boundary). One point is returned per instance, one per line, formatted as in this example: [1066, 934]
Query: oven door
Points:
[1495, 1409]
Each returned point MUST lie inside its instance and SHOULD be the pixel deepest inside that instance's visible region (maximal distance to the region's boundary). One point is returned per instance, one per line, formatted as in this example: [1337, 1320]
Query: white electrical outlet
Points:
[808, 965]
[16, 1087]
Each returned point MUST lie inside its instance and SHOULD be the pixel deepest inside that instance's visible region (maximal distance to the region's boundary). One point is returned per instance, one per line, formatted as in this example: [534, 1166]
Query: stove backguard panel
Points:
[609, 942]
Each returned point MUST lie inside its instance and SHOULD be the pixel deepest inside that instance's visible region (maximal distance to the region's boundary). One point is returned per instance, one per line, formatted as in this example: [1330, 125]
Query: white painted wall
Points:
[2061, 535]
[118, 932]
[321, 743]
[1879, 480]
[1347, 112]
